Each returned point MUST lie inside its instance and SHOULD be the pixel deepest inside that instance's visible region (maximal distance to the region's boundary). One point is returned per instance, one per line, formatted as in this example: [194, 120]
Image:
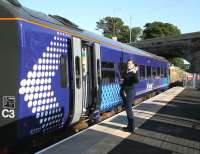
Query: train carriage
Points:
[53, 73]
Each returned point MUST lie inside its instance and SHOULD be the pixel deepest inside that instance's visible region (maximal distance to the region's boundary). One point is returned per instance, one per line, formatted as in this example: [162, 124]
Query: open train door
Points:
[77, 80]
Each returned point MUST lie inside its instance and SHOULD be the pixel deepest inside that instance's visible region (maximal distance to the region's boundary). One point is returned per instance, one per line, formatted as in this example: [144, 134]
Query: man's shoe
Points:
[127, 129]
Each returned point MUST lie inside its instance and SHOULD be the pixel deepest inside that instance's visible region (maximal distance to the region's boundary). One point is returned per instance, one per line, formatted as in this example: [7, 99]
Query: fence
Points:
[192, 81]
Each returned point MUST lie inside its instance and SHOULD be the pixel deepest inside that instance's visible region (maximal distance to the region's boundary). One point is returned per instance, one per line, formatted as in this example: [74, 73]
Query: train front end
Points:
[9, 77]
[34, 91]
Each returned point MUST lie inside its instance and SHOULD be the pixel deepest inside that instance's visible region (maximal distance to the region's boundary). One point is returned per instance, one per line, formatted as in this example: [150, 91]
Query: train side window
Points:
[142, 71]
[64, 71]
[107, 65]
[149, 71]
[108, 76]
[162, 72]
[84, 50]
[107, 72]
[122, 69]
[158, 71]
[154, 72]
[78, 76]
[165, 72]
[98, 71]
[168, 72]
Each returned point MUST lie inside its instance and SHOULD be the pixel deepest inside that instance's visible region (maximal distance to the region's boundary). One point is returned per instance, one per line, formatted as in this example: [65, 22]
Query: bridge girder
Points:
[185, 46]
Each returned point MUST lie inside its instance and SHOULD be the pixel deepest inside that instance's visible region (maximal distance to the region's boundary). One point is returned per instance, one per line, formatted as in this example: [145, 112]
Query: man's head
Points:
[130, 64]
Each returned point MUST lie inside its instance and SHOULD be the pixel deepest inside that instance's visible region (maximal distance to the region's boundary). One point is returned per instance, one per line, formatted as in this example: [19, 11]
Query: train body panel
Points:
[42, 94]
[111, 61]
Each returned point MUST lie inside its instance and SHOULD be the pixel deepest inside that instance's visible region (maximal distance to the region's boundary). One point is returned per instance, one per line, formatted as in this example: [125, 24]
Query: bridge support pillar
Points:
[195, 63]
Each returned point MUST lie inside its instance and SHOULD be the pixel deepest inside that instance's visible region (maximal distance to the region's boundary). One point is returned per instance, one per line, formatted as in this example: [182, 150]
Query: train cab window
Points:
[15, 3]
[149, 71]
[108, 76]
[78, 75]
[142, 71]
[66, 22]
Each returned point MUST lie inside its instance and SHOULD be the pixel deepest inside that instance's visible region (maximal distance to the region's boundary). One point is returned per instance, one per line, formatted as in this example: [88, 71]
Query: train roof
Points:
[13, 9]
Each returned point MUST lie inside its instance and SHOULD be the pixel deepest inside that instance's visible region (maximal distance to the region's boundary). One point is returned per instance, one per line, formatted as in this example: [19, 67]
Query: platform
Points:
[167, 123]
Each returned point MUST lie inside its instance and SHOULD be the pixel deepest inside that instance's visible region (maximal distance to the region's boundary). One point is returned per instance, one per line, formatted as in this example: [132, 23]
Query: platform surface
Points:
[168, 123]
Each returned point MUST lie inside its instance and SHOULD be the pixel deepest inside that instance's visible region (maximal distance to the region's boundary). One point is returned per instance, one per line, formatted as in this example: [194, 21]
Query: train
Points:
[177, 75]
[54, 73]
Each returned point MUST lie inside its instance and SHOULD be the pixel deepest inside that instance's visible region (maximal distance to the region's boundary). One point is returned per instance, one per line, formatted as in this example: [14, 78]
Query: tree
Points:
[179, 62]
[159, 29]
[113, 26]
[125, 34]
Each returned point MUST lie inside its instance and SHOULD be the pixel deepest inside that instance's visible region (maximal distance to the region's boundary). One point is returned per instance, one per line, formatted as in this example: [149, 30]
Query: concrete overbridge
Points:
[185, 46]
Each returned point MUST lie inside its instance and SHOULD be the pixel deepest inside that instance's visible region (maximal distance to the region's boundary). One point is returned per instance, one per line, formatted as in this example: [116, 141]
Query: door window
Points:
[77, 65]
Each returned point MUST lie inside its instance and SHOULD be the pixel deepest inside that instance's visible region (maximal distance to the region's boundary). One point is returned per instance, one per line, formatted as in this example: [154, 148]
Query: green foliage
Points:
[159, 29]
[179, 62]
[113, 26]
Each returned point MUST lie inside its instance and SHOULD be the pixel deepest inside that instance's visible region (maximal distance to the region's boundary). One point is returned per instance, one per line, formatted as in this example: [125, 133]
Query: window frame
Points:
[147, 75]
[107, 68]
[142, 74]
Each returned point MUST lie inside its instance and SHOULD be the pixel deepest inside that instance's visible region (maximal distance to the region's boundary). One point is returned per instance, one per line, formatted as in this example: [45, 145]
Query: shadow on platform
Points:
[129, 146]
[160, 133]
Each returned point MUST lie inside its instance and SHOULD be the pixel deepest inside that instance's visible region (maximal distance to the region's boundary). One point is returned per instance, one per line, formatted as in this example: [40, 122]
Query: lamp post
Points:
[130, 29]
[114, 23]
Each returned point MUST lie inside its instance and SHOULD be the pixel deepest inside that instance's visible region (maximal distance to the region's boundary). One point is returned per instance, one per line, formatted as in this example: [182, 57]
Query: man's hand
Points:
[135, 69]
[121, 81]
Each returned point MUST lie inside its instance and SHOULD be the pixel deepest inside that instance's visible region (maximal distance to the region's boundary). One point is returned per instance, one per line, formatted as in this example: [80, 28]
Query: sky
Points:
[182, 13]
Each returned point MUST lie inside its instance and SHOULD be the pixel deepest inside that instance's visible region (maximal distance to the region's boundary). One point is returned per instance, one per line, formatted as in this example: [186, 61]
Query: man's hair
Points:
[131, 61]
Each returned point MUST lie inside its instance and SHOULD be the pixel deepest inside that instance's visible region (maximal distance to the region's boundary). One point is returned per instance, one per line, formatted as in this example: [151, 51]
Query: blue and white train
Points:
[53, 73]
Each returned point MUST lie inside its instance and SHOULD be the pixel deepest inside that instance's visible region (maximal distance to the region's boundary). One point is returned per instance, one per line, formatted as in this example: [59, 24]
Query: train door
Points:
[77, 80]
[86, 52]
[86, 67]
[91, 74]
[96, 73]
